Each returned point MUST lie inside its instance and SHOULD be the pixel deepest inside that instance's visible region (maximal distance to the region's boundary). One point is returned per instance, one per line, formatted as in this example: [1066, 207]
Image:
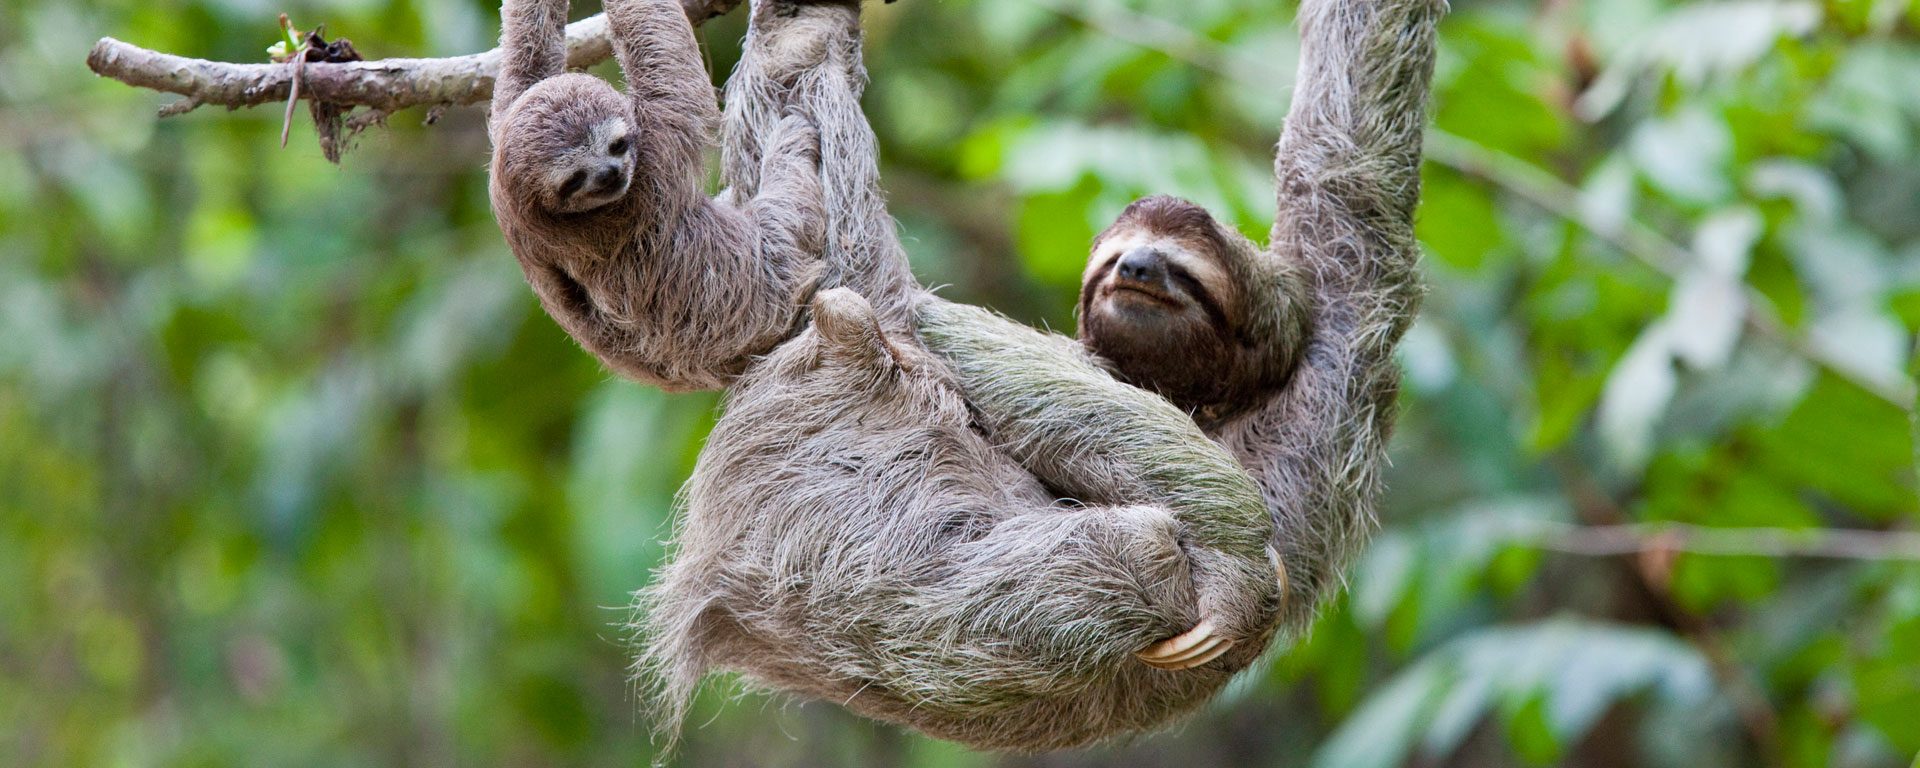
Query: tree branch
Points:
[385, 85]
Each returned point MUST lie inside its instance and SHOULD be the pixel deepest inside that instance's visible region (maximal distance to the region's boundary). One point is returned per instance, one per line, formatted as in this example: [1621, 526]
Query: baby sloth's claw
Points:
[1186, 650]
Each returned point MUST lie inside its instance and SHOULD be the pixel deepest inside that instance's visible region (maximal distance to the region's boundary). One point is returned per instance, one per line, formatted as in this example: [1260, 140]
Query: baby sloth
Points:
[1175, 302]
[600, 198]
[571, 145]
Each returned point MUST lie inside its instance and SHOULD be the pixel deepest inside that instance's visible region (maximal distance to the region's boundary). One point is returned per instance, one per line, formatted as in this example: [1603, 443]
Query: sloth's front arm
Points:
[1348, 178]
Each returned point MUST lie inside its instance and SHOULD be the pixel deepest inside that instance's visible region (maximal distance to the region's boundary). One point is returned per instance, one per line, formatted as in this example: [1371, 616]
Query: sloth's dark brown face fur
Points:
[570, 144]
[1175, 302]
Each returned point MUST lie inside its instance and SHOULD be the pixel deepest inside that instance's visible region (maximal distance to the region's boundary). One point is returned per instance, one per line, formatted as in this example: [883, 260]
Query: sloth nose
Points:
[1142, 265]
[607, 175]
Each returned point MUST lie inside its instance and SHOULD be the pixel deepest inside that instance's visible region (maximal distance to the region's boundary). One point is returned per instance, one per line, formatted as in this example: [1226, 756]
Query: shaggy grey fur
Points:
[1348, 176]
[877, 551]
[803, 57]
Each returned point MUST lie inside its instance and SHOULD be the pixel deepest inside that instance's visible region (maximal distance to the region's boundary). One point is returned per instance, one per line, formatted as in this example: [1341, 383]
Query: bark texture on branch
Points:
[384, 86]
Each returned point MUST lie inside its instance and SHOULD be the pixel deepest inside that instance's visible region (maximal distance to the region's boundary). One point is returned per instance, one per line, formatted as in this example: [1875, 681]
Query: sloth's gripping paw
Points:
[1201, 644]
[1186, 650]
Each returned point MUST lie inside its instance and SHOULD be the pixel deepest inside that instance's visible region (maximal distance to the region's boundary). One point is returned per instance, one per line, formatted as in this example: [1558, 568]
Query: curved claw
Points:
[1186, 650]
[1279, 567]
[1200, 645]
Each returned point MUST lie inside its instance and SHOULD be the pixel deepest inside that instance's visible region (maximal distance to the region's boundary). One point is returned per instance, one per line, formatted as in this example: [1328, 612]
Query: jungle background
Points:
[293, 471]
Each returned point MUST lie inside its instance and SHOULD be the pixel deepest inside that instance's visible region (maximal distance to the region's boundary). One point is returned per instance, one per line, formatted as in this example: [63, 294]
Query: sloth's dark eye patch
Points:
[1187, 281]
[1200, 295]
[574, 183]
[618, 147]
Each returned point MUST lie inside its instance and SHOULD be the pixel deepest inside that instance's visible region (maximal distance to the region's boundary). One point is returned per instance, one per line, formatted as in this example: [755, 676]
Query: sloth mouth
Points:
[598, 196]
[1132, 292]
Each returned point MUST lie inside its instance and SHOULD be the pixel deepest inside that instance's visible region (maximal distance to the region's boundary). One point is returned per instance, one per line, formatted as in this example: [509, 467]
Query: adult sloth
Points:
[850, 537]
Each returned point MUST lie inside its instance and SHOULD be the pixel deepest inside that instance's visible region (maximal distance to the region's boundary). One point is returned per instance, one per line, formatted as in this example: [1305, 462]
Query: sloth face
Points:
[595, 170]
[1159, 300]
[1186, 307]
[569, 144]
[1156, 281]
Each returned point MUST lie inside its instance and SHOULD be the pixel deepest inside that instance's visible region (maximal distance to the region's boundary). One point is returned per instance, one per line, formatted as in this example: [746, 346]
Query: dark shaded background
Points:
[294, 472]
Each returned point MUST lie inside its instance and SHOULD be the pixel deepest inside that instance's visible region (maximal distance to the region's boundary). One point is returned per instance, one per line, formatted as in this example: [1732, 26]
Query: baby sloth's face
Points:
[594, 168]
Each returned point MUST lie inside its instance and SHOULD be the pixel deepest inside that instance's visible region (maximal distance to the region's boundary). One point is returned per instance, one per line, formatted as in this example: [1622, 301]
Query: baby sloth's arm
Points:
[533, 42]
[726, 281]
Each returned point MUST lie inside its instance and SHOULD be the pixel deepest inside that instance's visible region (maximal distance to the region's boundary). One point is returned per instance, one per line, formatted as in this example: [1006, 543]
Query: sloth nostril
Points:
[607, 176]
[1142, 265]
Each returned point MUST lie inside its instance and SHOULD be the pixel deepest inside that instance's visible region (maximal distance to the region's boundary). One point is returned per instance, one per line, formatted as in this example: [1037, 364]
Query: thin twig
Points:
[1650, 574]
[1525, 180]
[179, 107]
[298, 63]
[1636, 538]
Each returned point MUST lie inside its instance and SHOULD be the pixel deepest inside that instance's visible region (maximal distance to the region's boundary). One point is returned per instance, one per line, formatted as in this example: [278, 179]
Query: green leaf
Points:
[1686, 155]
[1531, 734]
[1054, 234]
[1848, 445]
[1553, 679]
[1458, 223]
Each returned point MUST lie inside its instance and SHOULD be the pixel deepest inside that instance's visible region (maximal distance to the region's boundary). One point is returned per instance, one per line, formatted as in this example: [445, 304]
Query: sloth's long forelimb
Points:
[1347, 173]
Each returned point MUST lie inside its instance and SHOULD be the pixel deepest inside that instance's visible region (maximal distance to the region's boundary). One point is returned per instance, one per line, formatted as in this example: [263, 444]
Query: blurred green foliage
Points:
[294, 472]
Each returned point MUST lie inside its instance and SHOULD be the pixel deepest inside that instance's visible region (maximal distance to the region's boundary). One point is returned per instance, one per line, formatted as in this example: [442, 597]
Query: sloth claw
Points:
[1186, 650]
[1200, 645]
